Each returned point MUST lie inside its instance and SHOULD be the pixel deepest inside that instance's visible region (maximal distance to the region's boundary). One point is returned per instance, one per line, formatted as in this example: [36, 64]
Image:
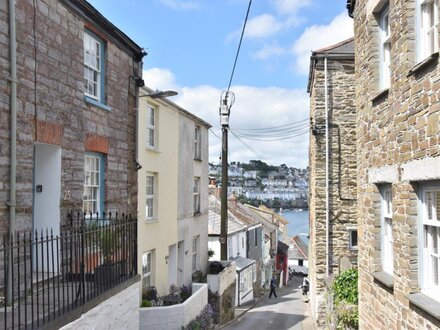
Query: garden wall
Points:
[175, 316]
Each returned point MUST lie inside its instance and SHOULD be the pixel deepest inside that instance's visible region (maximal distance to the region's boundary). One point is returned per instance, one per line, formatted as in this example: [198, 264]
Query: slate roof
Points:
[298, 249]
[343, 47]
[241, 263]
[214, 219]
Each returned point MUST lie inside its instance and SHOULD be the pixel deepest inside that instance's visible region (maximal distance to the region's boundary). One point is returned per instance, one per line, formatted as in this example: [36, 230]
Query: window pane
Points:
[429, 204]
[437, 205]
[434, 237]
[434, 269]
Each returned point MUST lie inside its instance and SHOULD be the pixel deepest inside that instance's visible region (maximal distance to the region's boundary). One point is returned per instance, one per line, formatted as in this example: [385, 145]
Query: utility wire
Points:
[239, 46]
[218, 137]
[248, 147]
[271, 138]
[297, 123]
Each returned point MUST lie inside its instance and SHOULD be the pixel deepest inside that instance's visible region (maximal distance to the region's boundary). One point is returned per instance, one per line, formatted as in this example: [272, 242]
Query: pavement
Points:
[288, 311]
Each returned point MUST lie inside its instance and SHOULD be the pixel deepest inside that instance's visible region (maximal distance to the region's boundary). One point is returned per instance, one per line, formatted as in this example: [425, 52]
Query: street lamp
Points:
[159, 94]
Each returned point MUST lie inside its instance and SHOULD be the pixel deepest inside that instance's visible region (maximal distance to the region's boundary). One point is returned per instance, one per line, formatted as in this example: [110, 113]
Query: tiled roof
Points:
[343, 47]
[214, 219]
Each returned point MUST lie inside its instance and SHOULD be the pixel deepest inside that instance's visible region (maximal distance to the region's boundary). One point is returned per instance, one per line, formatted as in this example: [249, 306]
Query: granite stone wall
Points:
[51, 109]
[398, 145]
[342, 175]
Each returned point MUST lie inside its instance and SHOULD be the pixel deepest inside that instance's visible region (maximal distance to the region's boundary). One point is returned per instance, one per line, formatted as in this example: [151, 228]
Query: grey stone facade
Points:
[398, 145]
[52, 110]
[341, 168]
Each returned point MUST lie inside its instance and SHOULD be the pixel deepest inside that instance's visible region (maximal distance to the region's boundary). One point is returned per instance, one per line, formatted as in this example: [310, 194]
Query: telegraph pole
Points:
[224, 121]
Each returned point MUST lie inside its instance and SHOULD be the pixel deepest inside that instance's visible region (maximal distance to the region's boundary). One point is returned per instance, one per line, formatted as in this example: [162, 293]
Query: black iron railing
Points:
[52, 274]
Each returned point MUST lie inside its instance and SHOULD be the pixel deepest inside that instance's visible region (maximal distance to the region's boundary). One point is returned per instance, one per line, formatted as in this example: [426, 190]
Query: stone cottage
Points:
[332, 159]
[398, 111]
[68, 99]
[75, 104]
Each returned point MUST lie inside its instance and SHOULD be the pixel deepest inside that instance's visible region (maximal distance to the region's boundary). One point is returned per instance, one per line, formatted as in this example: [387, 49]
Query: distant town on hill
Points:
[257, 183]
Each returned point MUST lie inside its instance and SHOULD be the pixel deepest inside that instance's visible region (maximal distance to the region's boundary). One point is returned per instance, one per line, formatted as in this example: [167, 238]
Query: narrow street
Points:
[287, 311]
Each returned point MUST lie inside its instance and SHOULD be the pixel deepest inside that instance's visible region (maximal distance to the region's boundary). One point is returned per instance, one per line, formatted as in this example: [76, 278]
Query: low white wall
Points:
[175, 316]
[218, 283]
[118, 312]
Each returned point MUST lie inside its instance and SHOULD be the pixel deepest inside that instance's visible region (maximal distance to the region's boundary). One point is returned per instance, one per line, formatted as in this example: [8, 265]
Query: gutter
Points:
[13, 106]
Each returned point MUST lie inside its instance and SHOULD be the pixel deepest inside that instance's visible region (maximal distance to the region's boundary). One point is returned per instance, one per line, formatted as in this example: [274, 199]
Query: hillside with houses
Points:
[258, 183]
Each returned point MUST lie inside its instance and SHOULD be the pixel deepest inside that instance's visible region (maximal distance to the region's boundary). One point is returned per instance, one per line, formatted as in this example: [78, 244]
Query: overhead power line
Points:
[239, 46]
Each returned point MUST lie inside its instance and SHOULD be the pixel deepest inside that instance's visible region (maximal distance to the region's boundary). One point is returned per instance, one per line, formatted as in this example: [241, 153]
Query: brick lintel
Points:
[96, 143]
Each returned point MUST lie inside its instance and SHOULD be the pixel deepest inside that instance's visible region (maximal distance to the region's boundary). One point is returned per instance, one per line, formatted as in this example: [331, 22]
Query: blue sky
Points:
[191, 46]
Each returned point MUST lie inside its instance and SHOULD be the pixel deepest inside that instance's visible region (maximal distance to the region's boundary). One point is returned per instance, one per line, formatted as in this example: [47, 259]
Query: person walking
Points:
[273, 284]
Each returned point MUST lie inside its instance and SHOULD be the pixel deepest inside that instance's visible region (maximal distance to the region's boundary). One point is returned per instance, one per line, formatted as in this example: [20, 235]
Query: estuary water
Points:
[298, 222]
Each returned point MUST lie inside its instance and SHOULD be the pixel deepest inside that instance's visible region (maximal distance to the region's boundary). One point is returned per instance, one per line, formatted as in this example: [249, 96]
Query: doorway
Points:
[46, 193]
[180, 263]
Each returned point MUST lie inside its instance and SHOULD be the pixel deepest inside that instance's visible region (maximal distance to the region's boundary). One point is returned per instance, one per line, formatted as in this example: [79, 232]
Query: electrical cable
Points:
[218, 137]
[248, 147]
[274, 127]
[239, 46]
[272, 138]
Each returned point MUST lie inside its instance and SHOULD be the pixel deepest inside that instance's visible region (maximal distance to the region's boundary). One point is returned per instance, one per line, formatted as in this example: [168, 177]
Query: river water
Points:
[298, 222]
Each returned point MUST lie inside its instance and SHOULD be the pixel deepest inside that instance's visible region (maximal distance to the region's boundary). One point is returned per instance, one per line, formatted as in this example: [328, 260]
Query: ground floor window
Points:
[430, 255]
[147, 258]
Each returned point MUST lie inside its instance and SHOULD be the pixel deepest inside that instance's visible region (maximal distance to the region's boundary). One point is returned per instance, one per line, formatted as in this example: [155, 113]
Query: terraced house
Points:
[398, 111]
[332, 158]
[68, 122]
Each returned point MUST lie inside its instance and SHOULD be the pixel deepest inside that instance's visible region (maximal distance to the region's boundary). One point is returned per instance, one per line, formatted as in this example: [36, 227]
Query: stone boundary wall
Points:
[176, 316]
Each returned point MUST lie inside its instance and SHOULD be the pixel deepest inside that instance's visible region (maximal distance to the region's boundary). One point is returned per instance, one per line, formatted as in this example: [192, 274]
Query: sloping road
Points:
[282, 313]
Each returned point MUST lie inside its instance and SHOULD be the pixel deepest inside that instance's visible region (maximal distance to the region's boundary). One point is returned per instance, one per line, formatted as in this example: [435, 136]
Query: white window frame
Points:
[147, 269]
[151, 125]
[386, 230]
[352, 246]
[93, 57]
[92, 185]
[196, 195]
[151, 196]
[385, 48]
[428, 21]
[430, 241]
[197, 143]
[195, 250]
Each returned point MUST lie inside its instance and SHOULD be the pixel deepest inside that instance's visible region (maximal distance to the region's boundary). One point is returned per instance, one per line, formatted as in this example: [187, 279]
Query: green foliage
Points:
[345, 287]
[345, 294]
[210, 253]
[146, 303]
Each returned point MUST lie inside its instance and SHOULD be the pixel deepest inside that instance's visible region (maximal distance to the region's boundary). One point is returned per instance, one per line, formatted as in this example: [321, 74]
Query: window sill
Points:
[153, 149]
[379, 98]
[384, 278]
[430, 60]
[198, 159]
[151, 220]
[197, 214]
[429, 305]
[97, 103]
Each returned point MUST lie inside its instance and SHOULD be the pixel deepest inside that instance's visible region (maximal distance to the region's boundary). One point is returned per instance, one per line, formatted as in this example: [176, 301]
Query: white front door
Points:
[46, 211]
[180, 263]
[172, 265]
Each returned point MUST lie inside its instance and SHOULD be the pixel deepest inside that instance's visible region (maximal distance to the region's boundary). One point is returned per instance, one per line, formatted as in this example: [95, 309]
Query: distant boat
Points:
[281, 210]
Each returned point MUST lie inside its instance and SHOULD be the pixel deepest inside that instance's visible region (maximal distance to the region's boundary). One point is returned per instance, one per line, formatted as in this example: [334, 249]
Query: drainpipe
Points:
[327, 245]
[13, 105]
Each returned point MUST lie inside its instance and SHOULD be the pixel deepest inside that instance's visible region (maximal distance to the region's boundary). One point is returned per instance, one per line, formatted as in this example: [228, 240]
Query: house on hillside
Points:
[68, 148]
[398, 111]
[172, 194]
[332, 159]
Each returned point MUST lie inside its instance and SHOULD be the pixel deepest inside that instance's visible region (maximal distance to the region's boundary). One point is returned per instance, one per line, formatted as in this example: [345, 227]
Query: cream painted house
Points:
[172, 193]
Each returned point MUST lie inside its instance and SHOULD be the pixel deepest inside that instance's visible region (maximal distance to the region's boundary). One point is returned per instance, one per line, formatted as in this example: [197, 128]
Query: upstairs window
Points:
[151, 127]
[196, 195]
[93, 67]
[387, 230]
[431, 240]
[428, 28]
[197, 143]
[353, 238]
[93, 184]
[385, 49]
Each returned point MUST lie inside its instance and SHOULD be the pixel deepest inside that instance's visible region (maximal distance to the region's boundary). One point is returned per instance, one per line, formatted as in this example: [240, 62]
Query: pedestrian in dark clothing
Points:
[273, 284]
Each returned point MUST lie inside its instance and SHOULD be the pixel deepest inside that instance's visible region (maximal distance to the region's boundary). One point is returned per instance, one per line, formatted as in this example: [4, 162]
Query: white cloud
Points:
[268, 51]
[160, 79]
[319, 36]
[290, 7]
[180, 4]
[254, 108]
[261, 26]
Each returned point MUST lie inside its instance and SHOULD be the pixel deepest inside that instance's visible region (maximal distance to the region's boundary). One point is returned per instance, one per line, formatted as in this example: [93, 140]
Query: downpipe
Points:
[13, 166]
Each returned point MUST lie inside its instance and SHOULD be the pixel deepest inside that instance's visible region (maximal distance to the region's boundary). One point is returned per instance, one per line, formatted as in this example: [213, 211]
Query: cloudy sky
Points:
[191, 47]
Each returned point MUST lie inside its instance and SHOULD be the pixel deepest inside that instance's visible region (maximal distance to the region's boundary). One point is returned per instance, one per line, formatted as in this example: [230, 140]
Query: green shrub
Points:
[345, 297]
[146, 303]
[345, 287]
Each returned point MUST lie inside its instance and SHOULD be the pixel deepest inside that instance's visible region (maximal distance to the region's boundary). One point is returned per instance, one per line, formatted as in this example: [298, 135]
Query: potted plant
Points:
[108, 243]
